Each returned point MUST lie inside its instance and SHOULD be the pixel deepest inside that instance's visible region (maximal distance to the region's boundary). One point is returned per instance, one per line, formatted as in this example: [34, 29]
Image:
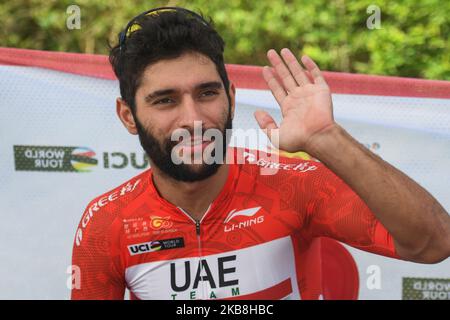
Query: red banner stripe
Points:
[246, 77]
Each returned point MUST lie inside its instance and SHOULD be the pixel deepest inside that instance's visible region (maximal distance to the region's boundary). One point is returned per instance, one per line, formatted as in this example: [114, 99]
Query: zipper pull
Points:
[197, 227]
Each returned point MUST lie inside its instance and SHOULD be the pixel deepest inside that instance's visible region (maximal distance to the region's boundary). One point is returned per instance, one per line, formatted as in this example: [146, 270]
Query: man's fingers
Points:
[265, 120]
[314, 70]
[277, 89]
[294, 66]
[283, 72]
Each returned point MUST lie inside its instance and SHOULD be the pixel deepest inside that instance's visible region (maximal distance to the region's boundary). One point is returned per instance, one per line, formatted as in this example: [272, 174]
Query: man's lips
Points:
[194, 145]
[191, 143]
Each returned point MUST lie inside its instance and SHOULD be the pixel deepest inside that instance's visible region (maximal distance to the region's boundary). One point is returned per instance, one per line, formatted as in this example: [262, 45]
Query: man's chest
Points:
[244, 249]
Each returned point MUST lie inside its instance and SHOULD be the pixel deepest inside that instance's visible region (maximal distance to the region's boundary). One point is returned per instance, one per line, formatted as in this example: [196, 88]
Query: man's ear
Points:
[126, 115]
[232, 91]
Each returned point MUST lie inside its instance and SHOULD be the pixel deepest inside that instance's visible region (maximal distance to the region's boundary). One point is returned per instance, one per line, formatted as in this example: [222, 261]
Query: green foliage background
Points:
[413, 40]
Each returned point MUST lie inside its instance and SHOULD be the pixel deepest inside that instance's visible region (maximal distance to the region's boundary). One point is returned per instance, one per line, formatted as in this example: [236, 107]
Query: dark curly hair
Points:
[164, 35]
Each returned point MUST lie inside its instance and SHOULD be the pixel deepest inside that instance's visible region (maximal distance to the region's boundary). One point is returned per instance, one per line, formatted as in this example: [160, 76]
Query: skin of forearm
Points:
[419, 225]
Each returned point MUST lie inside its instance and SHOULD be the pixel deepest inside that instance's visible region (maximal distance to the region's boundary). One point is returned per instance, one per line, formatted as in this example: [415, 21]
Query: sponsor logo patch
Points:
[54, 158]
[158, 223]
[156, 245]
[250, 221]
[426, 289]
[246, 212]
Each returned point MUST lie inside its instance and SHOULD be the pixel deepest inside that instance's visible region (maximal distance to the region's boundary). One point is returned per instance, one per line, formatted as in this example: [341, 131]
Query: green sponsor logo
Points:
[426, 289]
[54, 158]
[74, 159]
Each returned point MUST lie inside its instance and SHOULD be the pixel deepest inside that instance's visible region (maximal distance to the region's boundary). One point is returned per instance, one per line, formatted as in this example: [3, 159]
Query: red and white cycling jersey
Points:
[250, 244]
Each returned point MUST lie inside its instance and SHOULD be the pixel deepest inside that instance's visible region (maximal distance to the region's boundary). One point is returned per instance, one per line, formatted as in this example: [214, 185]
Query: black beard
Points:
[160, 154]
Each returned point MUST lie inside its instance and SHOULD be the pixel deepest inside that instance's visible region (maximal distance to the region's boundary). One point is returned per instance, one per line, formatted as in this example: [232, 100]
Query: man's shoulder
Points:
[105, 208]
[102, 211]
[126, 191]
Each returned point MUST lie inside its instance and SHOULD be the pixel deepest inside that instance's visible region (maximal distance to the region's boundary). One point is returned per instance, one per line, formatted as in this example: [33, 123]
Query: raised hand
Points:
[304, 98]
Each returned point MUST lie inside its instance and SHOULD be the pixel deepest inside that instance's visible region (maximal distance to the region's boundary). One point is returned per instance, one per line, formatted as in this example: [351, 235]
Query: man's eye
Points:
[163, 101]
[209, 93]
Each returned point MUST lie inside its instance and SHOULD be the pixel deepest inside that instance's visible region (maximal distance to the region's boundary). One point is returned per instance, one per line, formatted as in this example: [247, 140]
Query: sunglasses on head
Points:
[133, 25]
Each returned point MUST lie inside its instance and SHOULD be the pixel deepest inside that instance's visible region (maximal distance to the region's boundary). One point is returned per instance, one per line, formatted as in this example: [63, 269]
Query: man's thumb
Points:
[268, 125]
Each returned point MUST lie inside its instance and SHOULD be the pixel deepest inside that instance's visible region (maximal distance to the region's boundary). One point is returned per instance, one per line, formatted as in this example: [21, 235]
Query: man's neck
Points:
[192, 197]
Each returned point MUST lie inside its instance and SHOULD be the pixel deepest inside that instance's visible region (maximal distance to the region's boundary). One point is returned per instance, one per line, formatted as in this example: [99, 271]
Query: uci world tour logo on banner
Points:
[54, 158]
[426, 289]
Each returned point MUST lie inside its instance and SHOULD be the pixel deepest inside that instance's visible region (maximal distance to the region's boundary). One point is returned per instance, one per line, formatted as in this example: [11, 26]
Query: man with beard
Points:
[189, 229]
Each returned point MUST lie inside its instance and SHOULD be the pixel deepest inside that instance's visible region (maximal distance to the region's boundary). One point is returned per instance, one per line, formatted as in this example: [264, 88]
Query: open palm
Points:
[304, 98]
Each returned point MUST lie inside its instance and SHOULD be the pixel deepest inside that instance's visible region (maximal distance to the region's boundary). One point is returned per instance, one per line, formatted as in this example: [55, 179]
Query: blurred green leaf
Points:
[413, 40]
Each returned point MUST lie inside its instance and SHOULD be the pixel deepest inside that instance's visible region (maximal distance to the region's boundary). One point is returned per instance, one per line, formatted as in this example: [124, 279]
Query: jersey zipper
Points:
[200, 254]
[199, 241]
[197, 227]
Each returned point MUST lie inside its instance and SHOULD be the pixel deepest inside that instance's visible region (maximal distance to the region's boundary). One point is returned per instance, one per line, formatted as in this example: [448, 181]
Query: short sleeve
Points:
[337, 212]
[95, 261]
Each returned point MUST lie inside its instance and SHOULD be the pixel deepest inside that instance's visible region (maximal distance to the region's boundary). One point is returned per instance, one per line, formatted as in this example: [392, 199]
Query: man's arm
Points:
[419, 225]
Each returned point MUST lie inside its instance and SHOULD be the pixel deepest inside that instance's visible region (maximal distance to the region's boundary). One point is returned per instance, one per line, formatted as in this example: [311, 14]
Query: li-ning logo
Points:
[158, 223]
[243, 224]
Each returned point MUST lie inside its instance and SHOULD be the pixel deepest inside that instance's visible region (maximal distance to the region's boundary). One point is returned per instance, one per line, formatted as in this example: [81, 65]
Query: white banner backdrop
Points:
[67, 123]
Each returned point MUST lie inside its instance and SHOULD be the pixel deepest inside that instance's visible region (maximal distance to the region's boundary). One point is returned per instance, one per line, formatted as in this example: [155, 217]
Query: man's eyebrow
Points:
[158, 93]
[209, 85]
[164, 92]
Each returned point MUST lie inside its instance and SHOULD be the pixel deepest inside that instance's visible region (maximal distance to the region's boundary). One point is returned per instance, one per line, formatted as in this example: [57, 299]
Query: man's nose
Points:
[189, 112]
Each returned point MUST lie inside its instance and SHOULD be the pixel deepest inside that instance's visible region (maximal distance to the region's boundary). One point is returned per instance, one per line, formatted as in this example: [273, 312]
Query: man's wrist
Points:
[323, 140]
